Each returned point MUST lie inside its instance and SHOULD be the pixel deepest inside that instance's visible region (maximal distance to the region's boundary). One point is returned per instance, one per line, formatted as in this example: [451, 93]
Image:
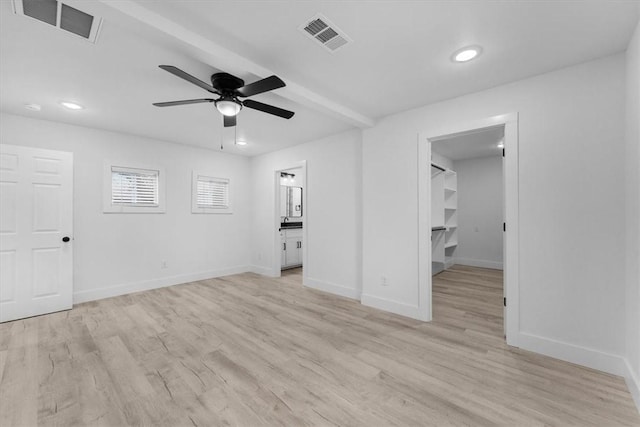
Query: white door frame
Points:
[277, 266]
[511, 250]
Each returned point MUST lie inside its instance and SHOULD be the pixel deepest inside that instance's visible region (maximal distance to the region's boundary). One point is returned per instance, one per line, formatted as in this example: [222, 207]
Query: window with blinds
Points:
[134, 187]
[210, 194]
[213, 193]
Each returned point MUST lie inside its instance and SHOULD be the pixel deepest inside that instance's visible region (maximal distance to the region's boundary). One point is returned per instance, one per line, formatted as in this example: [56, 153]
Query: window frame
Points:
[107, 193]
[195, 208]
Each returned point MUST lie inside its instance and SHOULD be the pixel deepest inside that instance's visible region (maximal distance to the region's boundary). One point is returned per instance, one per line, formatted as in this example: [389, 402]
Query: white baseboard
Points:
[480, 263]
[412, 311]
[127, 288]
[633, 382]
[264, 271]
[584, 356]
[332, 288]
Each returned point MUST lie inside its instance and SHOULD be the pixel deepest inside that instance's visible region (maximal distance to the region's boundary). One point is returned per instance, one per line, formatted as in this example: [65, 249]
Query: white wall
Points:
[121, 253]
[480, 212]
[632, 193]
[571, 135]
[332, 212]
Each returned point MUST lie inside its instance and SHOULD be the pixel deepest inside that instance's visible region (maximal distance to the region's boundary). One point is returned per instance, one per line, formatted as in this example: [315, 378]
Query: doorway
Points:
[467, 216]
[446, 235]
[291, 223]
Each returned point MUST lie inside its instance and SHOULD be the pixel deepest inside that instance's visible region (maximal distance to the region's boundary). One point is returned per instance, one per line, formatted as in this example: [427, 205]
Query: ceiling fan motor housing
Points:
[226, 83]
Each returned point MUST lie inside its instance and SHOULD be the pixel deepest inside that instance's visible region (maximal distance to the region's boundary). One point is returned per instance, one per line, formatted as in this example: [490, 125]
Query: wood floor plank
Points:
[247, 350]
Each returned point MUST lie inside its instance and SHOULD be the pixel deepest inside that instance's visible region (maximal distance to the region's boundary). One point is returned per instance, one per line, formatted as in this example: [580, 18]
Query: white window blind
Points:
[134, 187]
[212, 193]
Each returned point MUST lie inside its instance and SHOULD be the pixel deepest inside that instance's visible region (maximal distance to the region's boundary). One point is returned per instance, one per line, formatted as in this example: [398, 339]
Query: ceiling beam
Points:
[222, 58]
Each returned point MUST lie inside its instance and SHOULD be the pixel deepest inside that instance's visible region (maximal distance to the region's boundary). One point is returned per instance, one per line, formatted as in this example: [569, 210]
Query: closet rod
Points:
[438, 228]
[433, 165]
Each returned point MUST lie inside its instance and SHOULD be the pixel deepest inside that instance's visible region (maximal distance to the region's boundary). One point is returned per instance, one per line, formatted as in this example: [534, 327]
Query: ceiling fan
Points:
[230, 89]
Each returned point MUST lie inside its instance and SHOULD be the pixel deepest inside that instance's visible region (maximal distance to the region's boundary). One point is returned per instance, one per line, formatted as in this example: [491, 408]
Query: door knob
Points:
[66, 239]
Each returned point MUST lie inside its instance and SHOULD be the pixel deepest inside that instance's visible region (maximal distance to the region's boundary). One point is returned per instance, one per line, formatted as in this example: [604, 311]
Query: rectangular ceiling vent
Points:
[324, 32]
[61, 16]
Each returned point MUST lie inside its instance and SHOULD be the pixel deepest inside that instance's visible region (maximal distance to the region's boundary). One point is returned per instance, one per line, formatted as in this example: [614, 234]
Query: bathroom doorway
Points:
[291, 222]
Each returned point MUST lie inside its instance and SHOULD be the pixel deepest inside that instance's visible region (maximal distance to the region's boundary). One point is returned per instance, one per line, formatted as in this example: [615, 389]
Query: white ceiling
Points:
[399, 59]
[118, 79]
[471, 145]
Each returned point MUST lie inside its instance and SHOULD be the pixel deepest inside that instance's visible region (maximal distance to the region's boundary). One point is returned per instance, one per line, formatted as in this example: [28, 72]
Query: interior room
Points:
[319, 213]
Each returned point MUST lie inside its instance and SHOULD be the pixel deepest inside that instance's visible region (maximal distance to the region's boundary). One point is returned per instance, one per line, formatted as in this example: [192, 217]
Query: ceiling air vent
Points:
[61, 16]
[324, 32]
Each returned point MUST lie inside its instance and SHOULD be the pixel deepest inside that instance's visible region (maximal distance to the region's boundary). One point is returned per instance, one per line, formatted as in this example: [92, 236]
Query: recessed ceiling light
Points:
[71, 105]
[33, 107]
[241, 142]
[466, 54]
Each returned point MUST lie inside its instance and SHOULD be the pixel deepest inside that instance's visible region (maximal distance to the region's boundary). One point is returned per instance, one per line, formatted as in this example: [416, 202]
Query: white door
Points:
[36, 207]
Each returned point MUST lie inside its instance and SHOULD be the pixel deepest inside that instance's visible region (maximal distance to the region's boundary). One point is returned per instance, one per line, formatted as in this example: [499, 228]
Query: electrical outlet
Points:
[163, 264]
[383, 281]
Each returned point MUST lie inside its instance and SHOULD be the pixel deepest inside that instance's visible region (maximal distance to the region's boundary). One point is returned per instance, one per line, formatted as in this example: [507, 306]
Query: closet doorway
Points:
[467, 200]
[467, 216]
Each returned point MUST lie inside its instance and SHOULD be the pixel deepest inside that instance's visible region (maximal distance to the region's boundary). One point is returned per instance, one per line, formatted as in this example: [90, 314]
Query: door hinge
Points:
[504, 301]
[503, 152]
[504, 226]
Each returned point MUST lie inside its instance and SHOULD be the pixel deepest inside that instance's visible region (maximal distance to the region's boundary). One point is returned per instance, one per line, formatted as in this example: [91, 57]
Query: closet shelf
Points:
[452, 190]
[450, 208]
[450, 244]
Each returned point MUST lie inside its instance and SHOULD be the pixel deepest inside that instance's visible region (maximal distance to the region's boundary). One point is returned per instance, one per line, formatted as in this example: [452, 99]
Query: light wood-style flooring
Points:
[248, 350]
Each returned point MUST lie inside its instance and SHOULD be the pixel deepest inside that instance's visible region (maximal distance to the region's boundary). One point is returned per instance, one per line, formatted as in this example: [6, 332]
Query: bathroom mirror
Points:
[290, 202]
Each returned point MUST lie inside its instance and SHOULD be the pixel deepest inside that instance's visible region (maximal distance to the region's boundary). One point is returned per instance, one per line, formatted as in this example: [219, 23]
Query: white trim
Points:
[333, 288]
[263, 271]
[109, 208]
[479, 263]
[145, 285]
[633, 382]
[579, 355]
[424, 227]
[412, 311]
[511, 176]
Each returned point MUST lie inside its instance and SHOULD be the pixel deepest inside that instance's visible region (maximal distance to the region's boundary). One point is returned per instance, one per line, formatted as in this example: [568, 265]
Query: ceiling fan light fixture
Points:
[228, 107]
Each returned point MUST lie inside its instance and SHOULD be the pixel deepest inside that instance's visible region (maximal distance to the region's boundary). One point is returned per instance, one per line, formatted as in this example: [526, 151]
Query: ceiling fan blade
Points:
[185, 102]
[261, 86]
[188, 77]
[229, 121]
[266, 108]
